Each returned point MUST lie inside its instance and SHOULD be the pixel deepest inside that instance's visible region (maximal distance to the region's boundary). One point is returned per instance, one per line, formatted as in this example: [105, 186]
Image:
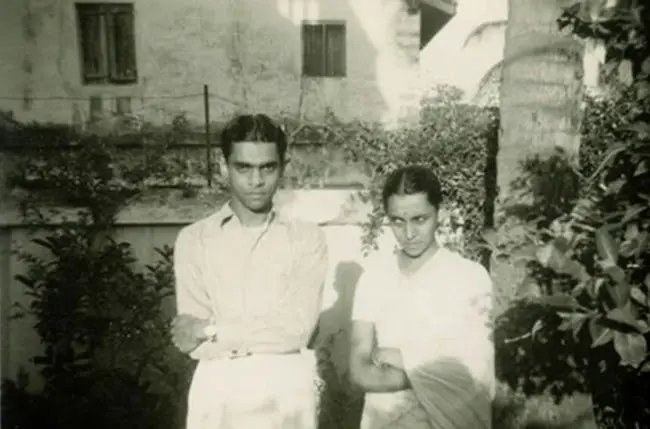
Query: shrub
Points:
[104, 334]
[108, 360]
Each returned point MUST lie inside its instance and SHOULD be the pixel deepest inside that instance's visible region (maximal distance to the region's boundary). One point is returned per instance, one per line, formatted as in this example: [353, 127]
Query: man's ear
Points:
[286, 161]
[223, 167]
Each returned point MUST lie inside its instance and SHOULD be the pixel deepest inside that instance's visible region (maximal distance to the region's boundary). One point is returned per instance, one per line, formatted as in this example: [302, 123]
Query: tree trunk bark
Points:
[540, 98]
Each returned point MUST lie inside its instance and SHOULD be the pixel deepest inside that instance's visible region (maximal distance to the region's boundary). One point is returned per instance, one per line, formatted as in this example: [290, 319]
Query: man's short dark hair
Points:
[413, 179]
[255, 128]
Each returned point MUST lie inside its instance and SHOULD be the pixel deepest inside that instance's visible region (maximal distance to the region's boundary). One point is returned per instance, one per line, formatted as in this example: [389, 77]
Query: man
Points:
[249, 285]
[421, 348]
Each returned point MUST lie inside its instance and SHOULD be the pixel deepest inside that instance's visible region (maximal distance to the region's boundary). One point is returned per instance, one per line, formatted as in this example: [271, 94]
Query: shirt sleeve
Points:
[364, 304]
[479, 299]
[475, 347]
[191, 296]
[289, 325]
[480, 306]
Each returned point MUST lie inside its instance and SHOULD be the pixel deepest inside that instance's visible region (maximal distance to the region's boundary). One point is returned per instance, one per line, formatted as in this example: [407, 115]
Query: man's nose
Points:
[256, 178]
[410, 231]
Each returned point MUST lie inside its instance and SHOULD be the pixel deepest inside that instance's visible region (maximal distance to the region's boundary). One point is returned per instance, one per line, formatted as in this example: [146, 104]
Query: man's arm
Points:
[289, 326]
[389, 356]
[364, 373]
[191, 297]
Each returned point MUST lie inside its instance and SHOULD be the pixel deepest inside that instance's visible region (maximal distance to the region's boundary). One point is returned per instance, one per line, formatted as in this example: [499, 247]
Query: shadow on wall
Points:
[334, 322]
[340, 406]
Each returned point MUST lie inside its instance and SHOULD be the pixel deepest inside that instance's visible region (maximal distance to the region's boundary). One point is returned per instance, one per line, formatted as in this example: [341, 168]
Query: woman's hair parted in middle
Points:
[413, 179]
[253, 128]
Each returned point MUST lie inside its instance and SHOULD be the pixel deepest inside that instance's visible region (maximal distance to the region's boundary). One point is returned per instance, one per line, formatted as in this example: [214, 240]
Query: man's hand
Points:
[188, 332]
[387, 356]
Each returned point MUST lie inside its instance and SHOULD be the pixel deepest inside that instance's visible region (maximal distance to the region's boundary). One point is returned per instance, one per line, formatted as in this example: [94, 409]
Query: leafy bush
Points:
[108, 359]
[589, 253]
[104, 334]
[59, 166]
[458, 141]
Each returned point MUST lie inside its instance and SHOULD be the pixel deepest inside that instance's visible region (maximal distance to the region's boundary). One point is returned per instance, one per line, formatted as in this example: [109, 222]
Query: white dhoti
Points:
[255, 392]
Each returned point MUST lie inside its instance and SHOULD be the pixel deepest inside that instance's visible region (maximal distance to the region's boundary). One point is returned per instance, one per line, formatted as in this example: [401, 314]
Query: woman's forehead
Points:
[409, 205]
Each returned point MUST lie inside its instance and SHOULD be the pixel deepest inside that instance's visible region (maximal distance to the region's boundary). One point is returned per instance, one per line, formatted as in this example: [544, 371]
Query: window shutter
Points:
[122, 48]
[91, 26]
[335, 51]
[313, 61]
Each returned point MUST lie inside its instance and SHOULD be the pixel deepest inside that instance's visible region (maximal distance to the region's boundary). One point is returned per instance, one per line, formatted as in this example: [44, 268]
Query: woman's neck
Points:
[409, 265]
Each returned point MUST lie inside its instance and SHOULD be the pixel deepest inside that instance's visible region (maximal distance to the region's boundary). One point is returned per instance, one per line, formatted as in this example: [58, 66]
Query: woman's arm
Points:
[364, 372]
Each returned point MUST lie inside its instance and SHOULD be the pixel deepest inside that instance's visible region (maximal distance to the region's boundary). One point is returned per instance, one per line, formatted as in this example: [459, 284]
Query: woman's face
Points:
[414, 222]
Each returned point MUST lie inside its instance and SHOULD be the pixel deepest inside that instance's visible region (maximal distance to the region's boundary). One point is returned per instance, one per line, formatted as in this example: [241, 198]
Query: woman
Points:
[421, 348]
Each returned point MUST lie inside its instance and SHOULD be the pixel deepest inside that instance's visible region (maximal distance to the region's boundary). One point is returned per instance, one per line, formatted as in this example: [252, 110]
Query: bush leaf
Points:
[551, 256]
[607, 248]
[574, 322]
[631, 347]
[600, 335]
[624, 316]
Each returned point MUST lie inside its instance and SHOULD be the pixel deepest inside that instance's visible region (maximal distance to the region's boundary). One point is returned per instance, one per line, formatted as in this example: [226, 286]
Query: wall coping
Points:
[321, 206]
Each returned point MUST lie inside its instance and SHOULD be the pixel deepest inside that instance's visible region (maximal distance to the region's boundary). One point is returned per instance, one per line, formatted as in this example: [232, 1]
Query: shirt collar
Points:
[226, 214]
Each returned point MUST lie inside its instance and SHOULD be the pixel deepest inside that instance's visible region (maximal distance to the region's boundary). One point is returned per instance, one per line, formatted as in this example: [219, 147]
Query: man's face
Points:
[254, 172]
[414, 222]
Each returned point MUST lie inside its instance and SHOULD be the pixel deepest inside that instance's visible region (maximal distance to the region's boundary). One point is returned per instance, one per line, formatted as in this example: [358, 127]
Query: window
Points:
[123, 106]
[107, 43]
[323, 50]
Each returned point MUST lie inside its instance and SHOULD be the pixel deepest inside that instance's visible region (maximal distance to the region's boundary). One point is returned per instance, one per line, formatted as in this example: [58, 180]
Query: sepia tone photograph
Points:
[324, 214]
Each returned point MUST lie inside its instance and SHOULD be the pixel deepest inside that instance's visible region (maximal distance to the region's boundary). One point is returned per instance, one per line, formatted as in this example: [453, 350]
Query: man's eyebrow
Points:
[270, 164]
[248, 164]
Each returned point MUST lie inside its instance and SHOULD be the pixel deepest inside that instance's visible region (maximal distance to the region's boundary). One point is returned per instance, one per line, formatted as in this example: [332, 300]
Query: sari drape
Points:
[448, 359]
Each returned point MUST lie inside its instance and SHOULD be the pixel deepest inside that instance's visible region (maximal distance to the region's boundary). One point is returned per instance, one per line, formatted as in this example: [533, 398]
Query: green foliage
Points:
[589, 250]
[99, 173]
[589, 263]
[104, 333]
[107, 356]
[457, 140]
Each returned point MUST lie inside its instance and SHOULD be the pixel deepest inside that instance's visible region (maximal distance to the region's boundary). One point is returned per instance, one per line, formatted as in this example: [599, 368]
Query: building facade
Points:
[74, 62]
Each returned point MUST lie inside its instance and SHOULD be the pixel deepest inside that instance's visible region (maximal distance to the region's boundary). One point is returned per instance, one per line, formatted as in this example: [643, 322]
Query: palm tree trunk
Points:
[540, 97]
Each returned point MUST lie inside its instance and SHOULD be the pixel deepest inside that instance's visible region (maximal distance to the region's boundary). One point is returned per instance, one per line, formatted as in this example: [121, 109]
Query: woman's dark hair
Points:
[257, 128]
[413, 179]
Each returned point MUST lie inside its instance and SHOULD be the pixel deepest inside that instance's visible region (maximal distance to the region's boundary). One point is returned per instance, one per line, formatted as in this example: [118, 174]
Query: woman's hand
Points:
[188, 332]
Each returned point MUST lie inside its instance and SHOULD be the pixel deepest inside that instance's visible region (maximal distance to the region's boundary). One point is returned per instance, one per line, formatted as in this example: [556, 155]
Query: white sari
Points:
[437, 318]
